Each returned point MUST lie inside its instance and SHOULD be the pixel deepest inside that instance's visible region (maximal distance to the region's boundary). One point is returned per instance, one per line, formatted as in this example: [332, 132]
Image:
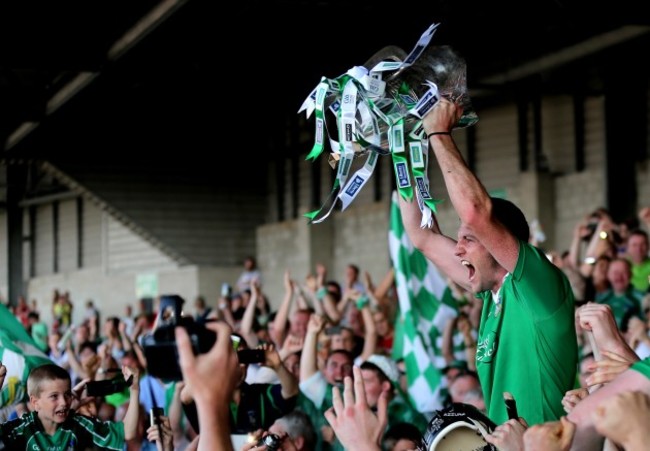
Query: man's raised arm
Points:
[468, 195]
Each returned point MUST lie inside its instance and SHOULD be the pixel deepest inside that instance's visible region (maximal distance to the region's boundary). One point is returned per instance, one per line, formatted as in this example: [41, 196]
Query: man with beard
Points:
[527, 341]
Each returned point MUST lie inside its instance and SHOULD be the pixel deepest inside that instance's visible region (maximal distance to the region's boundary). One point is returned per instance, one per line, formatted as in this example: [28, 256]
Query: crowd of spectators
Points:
[326, 334]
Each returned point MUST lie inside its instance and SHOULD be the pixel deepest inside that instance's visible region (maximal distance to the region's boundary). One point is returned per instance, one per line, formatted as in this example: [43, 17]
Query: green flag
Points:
[19, 354]
[421, 319]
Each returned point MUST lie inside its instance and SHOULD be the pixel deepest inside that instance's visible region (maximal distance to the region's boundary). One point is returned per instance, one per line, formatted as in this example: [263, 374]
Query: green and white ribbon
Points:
[362, 110]
[321, 92]
[358, 180]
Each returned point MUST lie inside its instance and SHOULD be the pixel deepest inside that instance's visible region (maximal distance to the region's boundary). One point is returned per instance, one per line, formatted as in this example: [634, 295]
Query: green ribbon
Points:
[321, 93]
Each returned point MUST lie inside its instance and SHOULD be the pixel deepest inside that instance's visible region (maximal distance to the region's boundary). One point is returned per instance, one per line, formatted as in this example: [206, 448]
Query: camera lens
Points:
[272, 442]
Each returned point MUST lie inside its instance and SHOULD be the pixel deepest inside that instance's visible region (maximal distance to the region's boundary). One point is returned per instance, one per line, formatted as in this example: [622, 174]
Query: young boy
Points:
[53, 426]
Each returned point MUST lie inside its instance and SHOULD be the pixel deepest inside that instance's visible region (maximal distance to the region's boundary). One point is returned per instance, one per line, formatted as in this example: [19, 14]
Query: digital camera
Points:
[160, 344]
[108, 386]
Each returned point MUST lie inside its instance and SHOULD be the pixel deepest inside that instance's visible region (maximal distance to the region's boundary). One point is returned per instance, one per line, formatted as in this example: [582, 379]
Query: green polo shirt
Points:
[640, 275]
[78, 432]
[623, 305]
[527, 340]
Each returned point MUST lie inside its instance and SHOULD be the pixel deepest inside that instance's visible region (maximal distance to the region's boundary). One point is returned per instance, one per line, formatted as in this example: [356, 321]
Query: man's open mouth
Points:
[469, 267]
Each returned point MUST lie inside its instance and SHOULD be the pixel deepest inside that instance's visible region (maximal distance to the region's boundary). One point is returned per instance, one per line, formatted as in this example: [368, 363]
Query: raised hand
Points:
[199, 370]
[608, 368]
[573, 397]
[508, 436]
[316, 324]
[624, 419]
[357, 427]
[162, 435]
[550, 436]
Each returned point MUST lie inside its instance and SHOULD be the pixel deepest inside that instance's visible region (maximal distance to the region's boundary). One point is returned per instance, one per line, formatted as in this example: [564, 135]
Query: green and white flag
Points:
[421, 319]
[19, 354]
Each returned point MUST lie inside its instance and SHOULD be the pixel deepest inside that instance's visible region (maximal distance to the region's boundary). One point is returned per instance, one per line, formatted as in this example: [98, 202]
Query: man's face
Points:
[53, 402]
[373, 386]
[381, 324]
[82, 334]
[337, 367]
[298, 326]
[87, 356]
[343, 340]
[618, 275]
[481, 266]
[637, 248]
[108, 328]
[600, 270]
[462, 385]
[351, 274]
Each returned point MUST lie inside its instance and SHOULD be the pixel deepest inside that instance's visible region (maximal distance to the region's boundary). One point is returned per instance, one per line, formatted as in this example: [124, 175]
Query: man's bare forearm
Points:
[467, 193]
[132, 416]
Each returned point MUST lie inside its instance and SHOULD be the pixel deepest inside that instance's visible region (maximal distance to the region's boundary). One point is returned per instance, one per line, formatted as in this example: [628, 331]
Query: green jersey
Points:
[78, 432]
[624, 305]
[527, 340]
[640, 276]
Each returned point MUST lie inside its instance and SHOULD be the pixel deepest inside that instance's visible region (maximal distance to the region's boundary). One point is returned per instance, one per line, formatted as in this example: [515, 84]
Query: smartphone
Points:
[251, 356]
[154, 415]
[225, 290]
[333, 330]
[235, 341]
[511, 406]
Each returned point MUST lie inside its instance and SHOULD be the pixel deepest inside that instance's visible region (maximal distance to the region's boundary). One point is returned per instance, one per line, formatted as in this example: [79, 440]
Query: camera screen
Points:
[251, 355]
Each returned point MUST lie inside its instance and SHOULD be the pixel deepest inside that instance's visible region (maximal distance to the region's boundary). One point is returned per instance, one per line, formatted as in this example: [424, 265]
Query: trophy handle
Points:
[388, 53]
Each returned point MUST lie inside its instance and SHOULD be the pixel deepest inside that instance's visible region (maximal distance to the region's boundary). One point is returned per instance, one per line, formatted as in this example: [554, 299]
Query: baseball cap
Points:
[386, 365]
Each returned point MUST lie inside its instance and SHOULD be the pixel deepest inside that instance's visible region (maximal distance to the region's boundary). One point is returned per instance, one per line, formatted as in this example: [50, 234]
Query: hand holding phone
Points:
[154, 415]
[226, 291]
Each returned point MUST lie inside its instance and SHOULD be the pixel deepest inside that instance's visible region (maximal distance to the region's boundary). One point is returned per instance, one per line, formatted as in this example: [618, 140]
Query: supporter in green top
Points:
[38, 331]
[637, 252]
[54, 426]
[380, 374]
[622, 297]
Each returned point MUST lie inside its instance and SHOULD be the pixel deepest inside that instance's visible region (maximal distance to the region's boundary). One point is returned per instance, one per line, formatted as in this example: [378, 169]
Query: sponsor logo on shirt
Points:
[486, 348]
